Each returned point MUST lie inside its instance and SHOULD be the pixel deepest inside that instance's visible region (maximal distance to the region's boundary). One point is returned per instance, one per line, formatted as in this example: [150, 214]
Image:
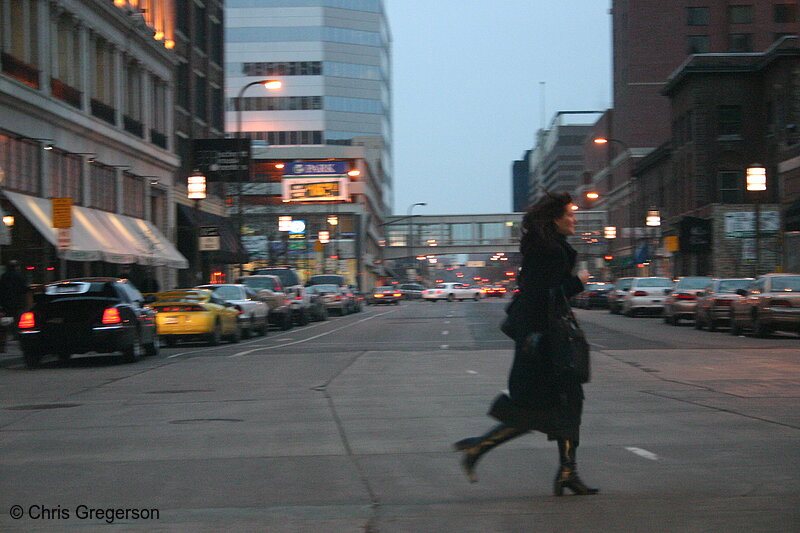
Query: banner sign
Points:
[316, 168]
[315, 189]
[743, 225]
[222, 159]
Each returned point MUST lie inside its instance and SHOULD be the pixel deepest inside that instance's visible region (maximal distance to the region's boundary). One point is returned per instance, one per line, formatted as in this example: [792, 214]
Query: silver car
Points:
[645, 295]
[682, 300]
[714, 306]
[616, 295]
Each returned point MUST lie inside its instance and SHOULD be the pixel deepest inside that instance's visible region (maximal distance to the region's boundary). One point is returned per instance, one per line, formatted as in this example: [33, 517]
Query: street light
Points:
[196, 191]
[411, 229]
[269, 85]
[653, 220]
[756, 183]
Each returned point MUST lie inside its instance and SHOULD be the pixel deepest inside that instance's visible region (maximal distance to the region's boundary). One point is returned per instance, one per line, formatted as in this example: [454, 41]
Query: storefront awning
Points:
[101, 236]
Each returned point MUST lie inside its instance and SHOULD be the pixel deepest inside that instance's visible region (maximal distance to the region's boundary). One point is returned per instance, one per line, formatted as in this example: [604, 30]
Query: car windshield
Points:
[383, 289]
[624, 284]
[325, 280]
[225, 292]
[693, 283]
[326, 288]
[732, 285]
[287, 276]
[654, 282]
[787, 284]
[259, 283]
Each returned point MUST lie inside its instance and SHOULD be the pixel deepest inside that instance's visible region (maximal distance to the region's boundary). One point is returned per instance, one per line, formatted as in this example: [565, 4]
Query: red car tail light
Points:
[26, 321]
[685, 297]
[111, 316]
[337, 297]
[640, 293]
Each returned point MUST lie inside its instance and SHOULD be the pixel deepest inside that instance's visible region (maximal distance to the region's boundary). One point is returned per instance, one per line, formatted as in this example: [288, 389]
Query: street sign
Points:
[64, 239]
[61, 212]
[222, 159]
[209, 238]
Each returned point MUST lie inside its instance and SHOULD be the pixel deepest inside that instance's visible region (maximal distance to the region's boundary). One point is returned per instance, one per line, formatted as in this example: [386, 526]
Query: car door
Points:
[145, 315]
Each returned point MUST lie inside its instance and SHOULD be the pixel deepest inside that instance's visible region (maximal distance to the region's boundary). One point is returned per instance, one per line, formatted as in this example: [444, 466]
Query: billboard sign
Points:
[316, 168]
[315, 189]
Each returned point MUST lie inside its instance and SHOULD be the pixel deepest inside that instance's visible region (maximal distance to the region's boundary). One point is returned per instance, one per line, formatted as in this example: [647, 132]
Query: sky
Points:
[467, 92]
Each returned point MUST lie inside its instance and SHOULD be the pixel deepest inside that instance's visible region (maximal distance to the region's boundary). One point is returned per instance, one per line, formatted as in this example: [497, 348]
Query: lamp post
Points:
[626, 150]
[411, 233]
[756, 183]
[270, 85]
[196, 191]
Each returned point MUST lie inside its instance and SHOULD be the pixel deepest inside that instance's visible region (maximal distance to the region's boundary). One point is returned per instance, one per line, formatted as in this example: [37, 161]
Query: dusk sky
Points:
[467, 94]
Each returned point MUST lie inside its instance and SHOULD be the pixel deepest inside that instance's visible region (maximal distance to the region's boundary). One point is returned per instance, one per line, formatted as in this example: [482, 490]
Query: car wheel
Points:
[153, 348]
[628, 312]
[302, 317]
[170, 341]
[760, 329]
[246, 332]
[236, 336]
[674, 321]
[64, 356]
[736, 329]
[132, 352]
[698, 324]
[712, 326]
[215, 337]
[263, 329]
[451, 298]
[323, 315]
[476, 297]
[286, 322]
[33, 358]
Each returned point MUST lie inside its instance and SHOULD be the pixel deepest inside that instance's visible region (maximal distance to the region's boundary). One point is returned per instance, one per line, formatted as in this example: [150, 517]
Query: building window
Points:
[182, 15]
[697, 16]
[729, 186]
[200, 36]
[292, 68]
[740, 42]
[200, 97]
[784, 13]
[133, 195]
[740, 14]
[183, 85]
[103, 187]
[698, 44]
[729, 120]
[65, 176]
[19, 159]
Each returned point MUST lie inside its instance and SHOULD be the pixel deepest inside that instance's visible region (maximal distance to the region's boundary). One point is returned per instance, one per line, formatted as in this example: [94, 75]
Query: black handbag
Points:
[568, 344]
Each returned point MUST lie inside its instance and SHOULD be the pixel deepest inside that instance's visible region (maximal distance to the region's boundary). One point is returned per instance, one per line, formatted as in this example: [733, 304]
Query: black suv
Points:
[300, 300]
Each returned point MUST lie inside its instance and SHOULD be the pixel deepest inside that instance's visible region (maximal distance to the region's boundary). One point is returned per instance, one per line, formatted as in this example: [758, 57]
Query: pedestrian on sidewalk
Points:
[542, 395]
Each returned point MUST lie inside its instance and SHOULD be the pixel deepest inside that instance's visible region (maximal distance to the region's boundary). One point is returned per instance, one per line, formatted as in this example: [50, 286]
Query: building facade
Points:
[86, 116]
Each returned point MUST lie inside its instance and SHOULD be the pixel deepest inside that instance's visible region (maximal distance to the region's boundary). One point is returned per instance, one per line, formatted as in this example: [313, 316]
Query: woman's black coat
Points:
[541, 398]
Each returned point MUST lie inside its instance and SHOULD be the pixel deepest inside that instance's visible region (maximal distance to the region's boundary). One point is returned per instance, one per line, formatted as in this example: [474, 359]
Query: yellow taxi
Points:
[194, 314]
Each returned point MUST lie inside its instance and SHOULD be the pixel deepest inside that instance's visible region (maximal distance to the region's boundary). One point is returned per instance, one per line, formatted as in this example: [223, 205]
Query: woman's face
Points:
[566, 224]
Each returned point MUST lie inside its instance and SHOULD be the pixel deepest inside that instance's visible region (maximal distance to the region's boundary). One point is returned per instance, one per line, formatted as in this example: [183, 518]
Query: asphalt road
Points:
[345, 426]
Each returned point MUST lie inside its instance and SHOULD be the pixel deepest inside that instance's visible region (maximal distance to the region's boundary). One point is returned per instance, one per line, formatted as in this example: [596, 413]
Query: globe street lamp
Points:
[757, 183]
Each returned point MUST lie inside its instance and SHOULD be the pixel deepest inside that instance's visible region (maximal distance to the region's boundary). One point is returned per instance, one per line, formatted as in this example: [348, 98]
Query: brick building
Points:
[727, 112]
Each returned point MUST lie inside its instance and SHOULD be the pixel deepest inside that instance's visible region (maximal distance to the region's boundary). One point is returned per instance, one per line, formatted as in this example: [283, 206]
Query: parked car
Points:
[319, 302]
[681, 302]
[296, 291]
[412, 291]
[326, 279]
[385, 295]
[81, 315]
[616, 295]
[645, 295]
[714, 305]
[253, 312]
[335, 297]
[195, 314]
[494, 291]
[451, 292]
[270, 291]
[770, 303]
[594, 294]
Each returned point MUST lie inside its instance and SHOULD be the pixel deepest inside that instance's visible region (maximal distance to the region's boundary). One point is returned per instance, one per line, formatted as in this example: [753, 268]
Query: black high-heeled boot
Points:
[567, 475]
[475, 447]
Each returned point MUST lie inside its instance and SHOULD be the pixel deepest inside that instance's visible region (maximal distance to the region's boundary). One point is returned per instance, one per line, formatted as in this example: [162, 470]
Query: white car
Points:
[645, 295]
[253, 313]
[451, 292]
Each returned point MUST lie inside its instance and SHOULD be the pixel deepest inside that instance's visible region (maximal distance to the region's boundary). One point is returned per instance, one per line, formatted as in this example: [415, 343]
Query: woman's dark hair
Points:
[538, 226]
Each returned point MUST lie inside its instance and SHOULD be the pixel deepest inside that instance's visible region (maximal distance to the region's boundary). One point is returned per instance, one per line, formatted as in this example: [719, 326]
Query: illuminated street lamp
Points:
[8, 220]
[196, 191]
[610, 232]
[592, 195]
[756, 183]
[653, 218]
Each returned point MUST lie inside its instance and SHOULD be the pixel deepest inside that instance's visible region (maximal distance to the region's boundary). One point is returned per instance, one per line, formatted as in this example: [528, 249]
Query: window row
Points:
[742, 14]
[737, 42]
[276, 103]
[305, 33]
[277, 138]
[306, 68]
[373, 6]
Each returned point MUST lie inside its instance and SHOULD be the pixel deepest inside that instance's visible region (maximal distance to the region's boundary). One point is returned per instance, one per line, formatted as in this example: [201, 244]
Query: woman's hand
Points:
[583, 275]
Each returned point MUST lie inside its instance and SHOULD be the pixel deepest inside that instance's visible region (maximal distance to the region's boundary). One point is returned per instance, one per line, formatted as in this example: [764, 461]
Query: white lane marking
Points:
[446, 321]
[642, 453]
[445, 332]
[471, 372]
[267, 338]
[239, 354]
[444, 346]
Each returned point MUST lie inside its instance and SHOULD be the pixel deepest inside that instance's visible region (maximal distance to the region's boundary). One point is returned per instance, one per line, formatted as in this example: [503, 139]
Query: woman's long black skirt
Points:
[538, 398]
